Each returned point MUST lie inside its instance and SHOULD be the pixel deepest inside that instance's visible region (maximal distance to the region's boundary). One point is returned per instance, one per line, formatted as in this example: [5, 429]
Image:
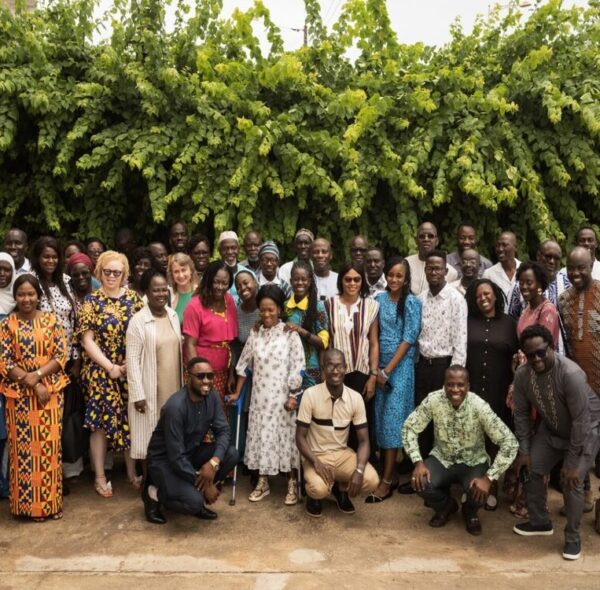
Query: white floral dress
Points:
[276, 359]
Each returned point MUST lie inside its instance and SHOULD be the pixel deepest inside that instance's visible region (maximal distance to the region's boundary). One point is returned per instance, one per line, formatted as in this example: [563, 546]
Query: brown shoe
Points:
[440, 519]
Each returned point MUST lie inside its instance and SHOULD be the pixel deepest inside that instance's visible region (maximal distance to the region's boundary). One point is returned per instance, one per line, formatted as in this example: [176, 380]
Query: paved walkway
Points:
[107, 544]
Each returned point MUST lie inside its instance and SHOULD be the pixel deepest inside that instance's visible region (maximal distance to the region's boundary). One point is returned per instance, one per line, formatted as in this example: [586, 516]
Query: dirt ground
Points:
[107, 544]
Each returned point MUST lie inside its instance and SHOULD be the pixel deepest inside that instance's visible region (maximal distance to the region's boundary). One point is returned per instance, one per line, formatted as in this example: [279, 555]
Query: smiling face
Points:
[178, 237]
[94, 249]
[157, 293]
[182, 274]
[302, 246]
[456, 387]
[112, 275]
[141, 266]
[435, 272]
[540, 356]
[200, 255]
[529, 285]
[252, 243]
[6, 273]
[586, 238]
[229, 251]
[469, 263]
[486, 300]
[268, 265]
[15, 243]
[48, 261]
[579, 268]
[466, 238]
[321, 255]
[427, 238]
[26, 298]
[269, 312]
[160, 255]
[506, 247]
[201, 379]
[333, 368]
[351, 284]
[374, 264]
[81, 279]
[220, 284]
[301, 282]
[396, 277]
[358, 250]
[549, 256]
[246, 286]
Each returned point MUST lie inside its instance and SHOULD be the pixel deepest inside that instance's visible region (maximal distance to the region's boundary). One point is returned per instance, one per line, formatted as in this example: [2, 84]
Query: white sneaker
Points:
[261, 490]
[291, 498]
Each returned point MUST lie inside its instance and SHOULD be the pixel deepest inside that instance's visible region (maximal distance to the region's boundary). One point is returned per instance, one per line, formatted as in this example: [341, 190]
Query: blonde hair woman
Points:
[103, 319]
[181, 271]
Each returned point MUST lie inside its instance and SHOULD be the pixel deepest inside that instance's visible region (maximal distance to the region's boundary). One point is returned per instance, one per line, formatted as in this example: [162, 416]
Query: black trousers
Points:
[180, 495]
[429, 376]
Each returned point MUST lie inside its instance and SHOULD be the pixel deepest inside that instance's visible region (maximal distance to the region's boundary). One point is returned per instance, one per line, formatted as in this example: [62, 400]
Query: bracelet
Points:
[385, 375]
[372, 373]
[361, 471]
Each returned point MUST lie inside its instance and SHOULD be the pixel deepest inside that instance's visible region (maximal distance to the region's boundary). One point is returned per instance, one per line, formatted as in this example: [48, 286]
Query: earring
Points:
[540, 292]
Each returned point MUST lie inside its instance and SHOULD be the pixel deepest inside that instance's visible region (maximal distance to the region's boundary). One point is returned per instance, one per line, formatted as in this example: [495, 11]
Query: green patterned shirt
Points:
[460, 434]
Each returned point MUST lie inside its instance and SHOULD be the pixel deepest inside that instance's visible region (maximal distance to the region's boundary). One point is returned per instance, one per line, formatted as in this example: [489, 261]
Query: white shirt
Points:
[25, 269]
[497, 275]
[595, 270]
[444, 325]
[418, 281]
[378, 287]
[327, 286]
[459, 286]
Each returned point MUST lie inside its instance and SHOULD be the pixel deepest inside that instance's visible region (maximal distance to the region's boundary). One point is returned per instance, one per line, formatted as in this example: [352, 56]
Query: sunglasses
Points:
[352, 279]
[204, 375]
[358, 250]
[539, 353]
[107, 272]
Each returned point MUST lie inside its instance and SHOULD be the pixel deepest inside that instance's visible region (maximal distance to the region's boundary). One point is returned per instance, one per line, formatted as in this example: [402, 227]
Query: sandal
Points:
[104, 490]
[38, 518]
[136, 482]
[57, 516]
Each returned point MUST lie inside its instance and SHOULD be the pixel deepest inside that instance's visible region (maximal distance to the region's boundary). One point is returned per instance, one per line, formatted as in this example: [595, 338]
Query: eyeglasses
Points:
[107, 272]
[204, 375]
[539, 353]
[352, 280]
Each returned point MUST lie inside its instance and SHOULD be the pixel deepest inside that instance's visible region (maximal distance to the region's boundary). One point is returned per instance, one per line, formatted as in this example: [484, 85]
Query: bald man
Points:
[326, 279]
[504, 272]
[586, 238]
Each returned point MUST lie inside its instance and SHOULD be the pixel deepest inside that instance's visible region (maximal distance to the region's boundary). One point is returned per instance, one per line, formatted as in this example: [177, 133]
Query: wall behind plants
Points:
[500, 127]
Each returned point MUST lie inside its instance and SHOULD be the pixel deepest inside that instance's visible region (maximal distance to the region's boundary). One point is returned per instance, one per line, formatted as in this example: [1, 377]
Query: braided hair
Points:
[404, 292]
[311, 313]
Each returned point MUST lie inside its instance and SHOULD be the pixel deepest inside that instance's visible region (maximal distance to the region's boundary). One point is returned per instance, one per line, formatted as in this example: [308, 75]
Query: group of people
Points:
[445, 366]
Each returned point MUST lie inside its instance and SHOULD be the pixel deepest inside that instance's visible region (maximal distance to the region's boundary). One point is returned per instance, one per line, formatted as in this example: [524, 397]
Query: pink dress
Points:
[544, 314]
[214, 332]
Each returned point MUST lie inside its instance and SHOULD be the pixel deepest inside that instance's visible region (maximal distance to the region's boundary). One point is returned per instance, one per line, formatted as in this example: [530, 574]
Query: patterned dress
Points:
[34, 432]
[395, 402]
[106, 406]
[276, 359]
[296, 312]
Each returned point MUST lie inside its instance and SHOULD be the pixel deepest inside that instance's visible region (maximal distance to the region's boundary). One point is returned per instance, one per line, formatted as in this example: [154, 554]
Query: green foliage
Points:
[499, 127]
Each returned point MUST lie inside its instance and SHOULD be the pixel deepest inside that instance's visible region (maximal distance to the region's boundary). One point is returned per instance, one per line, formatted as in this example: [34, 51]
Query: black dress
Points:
[491, 344]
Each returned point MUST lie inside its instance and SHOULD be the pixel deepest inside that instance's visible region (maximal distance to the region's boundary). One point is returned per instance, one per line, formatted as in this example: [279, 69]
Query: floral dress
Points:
[106, 406]
[276, 359]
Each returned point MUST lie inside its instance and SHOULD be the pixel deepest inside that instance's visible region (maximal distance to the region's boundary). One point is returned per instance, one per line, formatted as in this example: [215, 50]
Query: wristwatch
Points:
[214, 463]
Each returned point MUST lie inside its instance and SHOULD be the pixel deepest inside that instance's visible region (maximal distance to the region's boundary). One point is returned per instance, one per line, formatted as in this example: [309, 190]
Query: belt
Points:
[440, 360]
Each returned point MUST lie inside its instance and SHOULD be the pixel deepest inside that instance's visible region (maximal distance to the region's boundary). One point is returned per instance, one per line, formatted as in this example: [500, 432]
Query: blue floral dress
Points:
[106, 406]
[396, 401]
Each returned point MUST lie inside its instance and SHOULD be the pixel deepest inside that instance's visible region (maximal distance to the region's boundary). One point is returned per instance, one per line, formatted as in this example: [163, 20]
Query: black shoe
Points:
[439, 519]
[528, 530]
[152, 509]
[343, 500]
[406, 489]
[472, 522]
[572, 550]
[314, 507]
[206, 514]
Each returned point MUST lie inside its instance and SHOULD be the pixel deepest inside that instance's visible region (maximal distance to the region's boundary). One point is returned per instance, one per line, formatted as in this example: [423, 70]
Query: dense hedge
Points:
[499, 127]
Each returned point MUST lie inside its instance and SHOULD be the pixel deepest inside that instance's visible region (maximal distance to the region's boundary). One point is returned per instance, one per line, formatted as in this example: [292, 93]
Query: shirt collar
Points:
[301, 305]
[442, 294]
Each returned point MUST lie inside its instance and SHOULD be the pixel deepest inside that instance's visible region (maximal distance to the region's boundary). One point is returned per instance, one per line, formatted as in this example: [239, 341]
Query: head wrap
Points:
[7, 301]
[242, 269]
[227, 235]
[79, 258]
[269, 247]
[305, 232]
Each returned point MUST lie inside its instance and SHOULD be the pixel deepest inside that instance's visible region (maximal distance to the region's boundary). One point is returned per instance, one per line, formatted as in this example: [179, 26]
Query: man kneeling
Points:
[461, 419]
[184, 471]
[323, 425]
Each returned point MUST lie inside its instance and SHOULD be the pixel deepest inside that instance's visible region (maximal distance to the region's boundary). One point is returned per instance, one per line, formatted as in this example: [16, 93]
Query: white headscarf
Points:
[7, 301]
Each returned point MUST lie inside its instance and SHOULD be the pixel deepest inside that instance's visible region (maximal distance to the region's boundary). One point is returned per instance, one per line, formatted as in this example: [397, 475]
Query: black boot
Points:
[152, 508]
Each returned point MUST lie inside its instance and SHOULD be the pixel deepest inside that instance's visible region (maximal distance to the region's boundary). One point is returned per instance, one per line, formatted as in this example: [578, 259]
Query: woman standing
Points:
[307, 317]
[491, 345]
[199, 251]
[181, 271]
[399, 327]
[154, 370]
[103, 320]
[141, 260]
[7, 304]
[210, 325]
[95, 247]
[80, 270]
[246, 286]
[276, 358]
[33, 355]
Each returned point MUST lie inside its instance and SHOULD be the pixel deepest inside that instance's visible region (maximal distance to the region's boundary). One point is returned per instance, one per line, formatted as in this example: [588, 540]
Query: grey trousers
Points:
[546, 451]
[437, 491]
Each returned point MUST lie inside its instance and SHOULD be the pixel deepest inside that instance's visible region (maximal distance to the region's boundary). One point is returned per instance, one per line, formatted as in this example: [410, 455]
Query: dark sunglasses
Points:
[539, 353]
[107, 272]
[358, 250]
[352, 279]
[204, 375]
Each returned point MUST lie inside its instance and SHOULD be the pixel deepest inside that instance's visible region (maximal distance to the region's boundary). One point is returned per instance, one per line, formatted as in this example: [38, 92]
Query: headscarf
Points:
[305, 232]
[79, 258]
[245, 269]
[7, 301]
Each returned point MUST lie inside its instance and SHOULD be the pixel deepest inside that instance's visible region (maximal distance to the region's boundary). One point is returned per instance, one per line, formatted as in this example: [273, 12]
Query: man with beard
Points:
[470, 266]
[252, 244]
[184, 472]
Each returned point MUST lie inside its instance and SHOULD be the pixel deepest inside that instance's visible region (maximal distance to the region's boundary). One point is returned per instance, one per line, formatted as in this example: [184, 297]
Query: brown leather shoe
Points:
[472, 522]
[440, 519]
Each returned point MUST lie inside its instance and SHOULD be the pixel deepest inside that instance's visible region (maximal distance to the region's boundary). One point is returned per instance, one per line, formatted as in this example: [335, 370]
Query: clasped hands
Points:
[204, 483]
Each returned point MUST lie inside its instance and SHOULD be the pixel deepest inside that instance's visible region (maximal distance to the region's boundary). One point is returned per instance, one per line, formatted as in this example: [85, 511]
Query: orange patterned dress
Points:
[34, 432]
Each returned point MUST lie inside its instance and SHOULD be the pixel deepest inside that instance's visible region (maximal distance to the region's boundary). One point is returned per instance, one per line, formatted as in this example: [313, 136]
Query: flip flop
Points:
[104, 490]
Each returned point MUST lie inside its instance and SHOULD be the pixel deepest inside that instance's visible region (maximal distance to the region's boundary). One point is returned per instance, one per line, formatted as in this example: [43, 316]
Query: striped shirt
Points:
[350, 330]
[328, 420]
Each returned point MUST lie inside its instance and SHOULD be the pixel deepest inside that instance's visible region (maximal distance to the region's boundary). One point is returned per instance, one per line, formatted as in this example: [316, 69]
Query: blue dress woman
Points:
[399, 327]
